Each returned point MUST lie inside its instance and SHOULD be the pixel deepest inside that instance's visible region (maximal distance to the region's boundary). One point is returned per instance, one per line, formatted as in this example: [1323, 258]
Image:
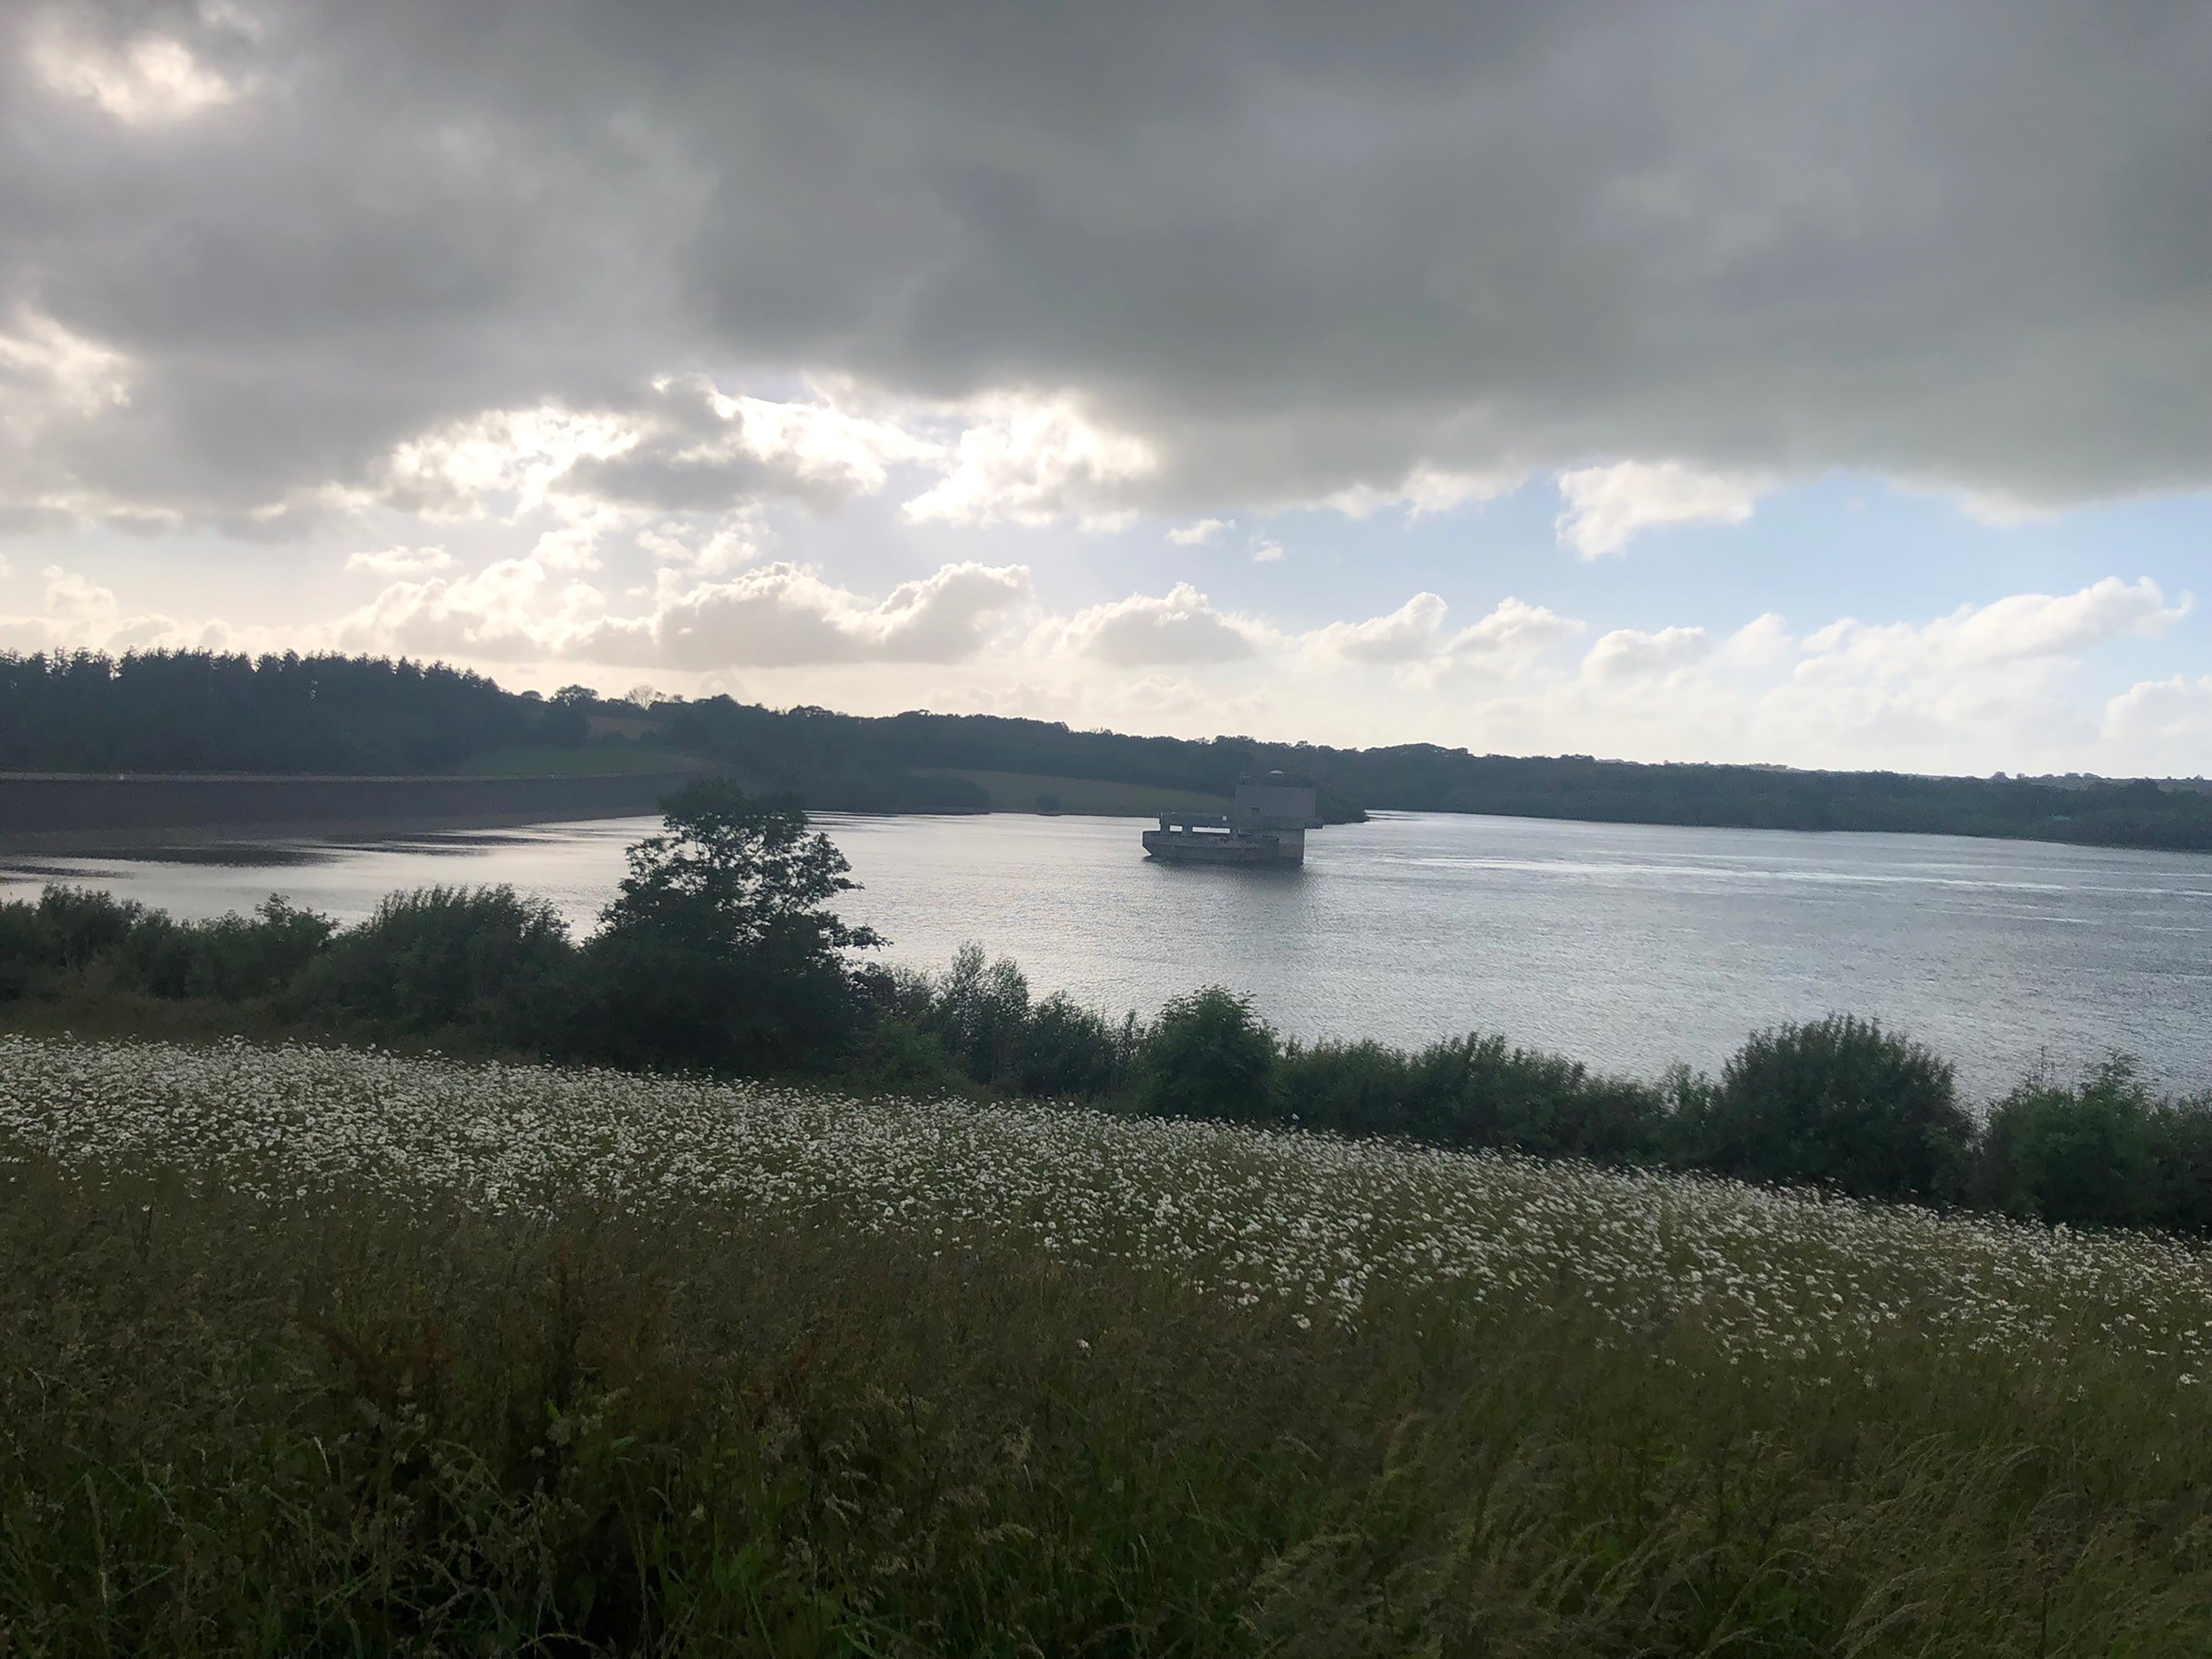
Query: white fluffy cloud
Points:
[1200, 532]
[1510, 637]
[1630, 653]
[1425, 490]
[1181, 629]
[401, 561]
[1606, 507]
[2161, 716]
[780, 617]
[1031, 460]
[2023, 627]
[1412, 632]
[777, 617]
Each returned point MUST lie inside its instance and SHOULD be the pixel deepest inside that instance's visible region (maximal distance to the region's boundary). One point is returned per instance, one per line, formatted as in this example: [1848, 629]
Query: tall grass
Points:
[317, 1352]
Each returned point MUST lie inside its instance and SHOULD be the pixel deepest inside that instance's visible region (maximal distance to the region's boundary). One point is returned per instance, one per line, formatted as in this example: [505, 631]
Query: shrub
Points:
[23, 949]
[2081, 1155]
[1472, 1091]
[73, 931]
[1837, 1103]
[444, 957]
[1208, 1055]
[980, 1012]
[895, 1056]
[231, 958]
[1478, 1091]
[2180, 1137]
[1064, 1049]
[1354, 1088]
[77, 926]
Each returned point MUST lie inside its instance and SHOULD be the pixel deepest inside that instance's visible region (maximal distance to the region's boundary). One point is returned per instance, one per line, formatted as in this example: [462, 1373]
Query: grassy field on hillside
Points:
[308, 1350]
[1017, 791]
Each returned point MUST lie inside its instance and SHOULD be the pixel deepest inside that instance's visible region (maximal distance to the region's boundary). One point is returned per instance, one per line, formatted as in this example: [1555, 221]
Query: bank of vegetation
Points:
[197, 711]
[722, 954]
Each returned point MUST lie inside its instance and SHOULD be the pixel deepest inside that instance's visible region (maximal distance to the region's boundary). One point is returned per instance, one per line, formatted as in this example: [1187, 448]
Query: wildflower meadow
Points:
[313, 1350]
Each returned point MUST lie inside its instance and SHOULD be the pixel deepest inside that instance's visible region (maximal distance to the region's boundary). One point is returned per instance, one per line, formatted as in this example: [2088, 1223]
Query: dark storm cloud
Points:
[1297, 248]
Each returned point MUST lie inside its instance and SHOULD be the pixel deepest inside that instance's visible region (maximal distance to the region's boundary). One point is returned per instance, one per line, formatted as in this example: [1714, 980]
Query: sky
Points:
[1812, 384]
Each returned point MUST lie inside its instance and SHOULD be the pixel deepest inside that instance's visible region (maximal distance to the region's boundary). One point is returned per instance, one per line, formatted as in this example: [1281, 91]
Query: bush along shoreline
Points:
[720, 954]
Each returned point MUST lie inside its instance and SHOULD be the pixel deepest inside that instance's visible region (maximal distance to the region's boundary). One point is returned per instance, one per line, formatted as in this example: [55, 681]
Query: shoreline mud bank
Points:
[94, 813]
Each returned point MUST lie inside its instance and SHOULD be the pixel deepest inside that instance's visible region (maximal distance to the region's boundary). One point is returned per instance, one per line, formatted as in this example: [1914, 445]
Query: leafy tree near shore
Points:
[720, 948]
[1209, 1055]
[1837, 1102]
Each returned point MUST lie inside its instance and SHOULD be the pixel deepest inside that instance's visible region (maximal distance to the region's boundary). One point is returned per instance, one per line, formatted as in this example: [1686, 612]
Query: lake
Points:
[1629, 946]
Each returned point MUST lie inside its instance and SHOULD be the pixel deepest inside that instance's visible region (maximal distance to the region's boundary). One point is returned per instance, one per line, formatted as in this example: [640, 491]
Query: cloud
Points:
[1412, 632]
[150, 79]
[1629, 654]
[1266, 550]
[1514, 632]
[1031, 460]
[1424, 490]
[1300, 262]
[1760, 643]
[777, 617]
[1197, 534]
[1182, 630]
[781, 615]
[497, 614]
[401, 561]
[2162, 713]
[1606, 507]
[2022, 627]
[82, 614]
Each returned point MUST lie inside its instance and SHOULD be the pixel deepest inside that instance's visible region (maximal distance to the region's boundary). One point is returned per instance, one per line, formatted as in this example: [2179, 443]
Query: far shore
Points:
[90, 814]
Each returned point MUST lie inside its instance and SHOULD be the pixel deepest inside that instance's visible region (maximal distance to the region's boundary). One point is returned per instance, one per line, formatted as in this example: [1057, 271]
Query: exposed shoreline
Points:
[89, 814]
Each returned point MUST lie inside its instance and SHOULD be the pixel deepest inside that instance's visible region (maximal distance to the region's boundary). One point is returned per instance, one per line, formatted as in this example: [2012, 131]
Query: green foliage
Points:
[2101, 1152]
[449, 959]
[1065, 1049]
[1473, 1092]
[981, 1015]
[1837, 1103]
[1208, 1055]
[205, 711]
[719, 949]
[980, 1012]
[78, 934]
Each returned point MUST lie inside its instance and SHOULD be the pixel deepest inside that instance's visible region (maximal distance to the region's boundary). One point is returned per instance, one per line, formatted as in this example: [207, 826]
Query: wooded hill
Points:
[205, 711]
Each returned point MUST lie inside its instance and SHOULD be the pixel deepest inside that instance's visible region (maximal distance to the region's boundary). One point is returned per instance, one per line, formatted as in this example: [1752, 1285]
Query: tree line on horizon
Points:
[190, 711]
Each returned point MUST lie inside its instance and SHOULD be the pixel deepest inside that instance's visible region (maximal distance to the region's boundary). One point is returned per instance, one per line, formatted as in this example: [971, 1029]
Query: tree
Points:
[719, 949]
[1208, 1055]
[1837, 1103]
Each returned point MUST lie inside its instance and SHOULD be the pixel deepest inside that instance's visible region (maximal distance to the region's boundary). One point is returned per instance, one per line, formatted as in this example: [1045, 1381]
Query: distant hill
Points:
[200, 711]
[807, 748]
[207, 712]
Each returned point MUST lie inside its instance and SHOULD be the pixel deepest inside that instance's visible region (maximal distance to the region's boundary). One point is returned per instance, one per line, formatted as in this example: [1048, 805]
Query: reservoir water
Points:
[1629, 946]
